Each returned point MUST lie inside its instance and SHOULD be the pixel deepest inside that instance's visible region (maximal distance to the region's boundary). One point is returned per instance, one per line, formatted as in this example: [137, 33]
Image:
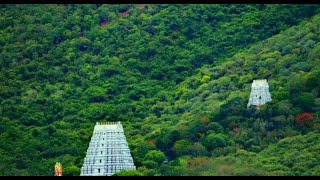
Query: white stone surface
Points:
[259, 93]
[108, 151]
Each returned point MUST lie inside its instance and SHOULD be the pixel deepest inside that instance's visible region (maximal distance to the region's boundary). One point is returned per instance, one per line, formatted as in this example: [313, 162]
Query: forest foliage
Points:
[177, 76]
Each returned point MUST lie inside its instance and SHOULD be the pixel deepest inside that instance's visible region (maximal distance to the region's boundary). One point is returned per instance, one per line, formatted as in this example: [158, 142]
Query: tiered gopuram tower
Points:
[259, 93]
[108, 151]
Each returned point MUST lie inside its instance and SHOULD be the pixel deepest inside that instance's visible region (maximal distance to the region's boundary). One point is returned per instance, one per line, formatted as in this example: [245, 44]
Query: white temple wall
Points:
[108, 151]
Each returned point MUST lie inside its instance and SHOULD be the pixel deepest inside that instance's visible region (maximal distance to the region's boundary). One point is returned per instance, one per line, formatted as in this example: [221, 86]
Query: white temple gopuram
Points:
[108, 151]
[259, 93]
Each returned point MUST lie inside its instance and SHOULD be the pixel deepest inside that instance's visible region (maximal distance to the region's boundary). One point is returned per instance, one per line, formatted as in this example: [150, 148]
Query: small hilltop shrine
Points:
[259, 93]
[108, 151]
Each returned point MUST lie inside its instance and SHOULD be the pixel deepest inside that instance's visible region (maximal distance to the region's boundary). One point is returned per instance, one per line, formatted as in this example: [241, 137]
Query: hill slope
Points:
[178, 76]
[241, 141]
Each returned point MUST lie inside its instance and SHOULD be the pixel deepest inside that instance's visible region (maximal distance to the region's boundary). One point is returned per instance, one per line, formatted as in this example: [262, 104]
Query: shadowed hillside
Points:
[177, 76]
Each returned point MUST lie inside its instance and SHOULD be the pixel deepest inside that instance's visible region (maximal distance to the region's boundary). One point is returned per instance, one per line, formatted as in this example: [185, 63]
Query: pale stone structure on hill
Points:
[108, 151]
[259, 93]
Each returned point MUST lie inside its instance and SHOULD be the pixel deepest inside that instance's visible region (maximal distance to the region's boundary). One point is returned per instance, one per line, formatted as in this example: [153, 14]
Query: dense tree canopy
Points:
[177, 76]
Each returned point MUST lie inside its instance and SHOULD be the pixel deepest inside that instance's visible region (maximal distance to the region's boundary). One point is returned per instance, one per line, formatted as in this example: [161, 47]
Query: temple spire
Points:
[108, 151]
[259, 93]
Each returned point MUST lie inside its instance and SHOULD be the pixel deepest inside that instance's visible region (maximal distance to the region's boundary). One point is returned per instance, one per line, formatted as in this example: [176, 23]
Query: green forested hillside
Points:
[177, 76]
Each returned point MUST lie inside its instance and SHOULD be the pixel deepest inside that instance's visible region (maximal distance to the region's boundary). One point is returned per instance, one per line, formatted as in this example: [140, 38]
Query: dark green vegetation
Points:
[177, 76]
